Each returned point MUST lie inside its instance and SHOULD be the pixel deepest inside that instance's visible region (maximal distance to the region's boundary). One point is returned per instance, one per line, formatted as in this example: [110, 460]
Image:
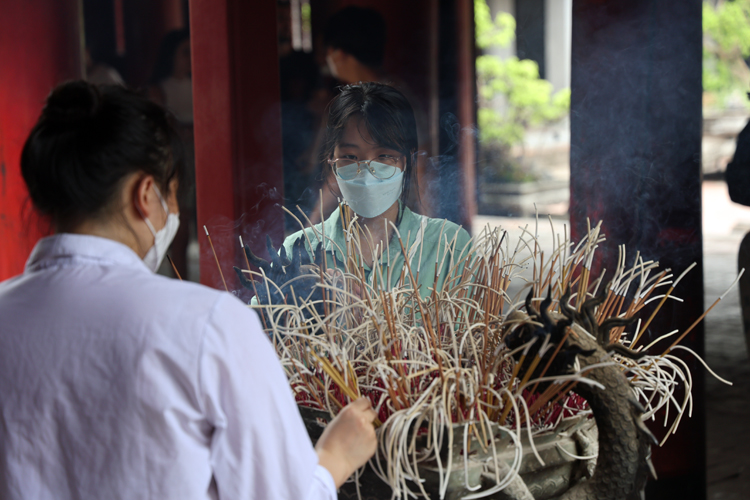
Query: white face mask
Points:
[162, 238]
[369, 196]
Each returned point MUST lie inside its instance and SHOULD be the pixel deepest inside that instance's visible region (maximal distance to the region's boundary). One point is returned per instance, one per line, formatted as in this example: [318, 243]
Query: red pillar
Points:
[467, 110]
[455, 176]
[40, 46]
[236, 106]
[635, 165]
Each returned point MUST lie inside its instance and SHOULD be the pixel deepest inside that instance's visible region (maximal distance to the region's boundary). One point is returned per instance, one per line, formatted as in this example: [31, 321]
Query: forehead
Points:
[356, 134]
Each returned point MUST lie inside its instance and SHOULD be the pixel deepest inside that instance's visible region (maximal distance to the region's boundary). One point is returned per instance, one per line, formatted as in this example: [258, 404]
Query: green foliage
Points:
[726, 33]
[499, 33]
[527, 99]
[306, 15]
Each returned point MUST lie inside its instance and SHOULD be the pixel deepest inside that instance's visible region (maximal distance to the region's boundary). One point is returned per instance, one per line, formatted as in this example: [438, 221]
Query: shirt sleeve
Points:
[259, 447]
[323, 485]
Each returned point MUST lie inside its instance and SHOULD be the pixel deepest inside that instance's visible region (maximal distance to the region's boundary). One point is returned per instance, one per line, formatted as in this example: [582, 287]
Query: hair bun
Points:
[72, 103]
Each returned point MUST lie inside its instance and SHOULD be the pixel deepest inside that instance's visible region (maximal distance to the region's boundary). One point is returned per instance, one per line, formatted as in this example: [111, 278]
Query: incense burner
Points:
[463, 377]
[558, 471]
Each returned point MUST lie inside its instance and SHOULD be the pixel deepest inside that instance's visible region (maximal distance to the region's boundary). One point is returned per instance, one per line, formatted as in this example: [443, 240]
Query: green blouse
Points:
[429, 243]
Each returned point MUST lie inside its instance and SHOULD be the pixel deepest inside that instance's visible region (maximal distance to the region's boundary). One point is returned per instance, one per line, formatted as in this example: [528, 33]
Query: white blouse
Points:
[116, 383]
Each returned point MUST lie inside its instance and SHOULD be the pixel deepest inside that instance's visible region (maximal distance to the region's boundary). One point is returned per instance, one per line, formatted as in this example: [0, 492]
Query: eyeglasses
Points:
[383, 167]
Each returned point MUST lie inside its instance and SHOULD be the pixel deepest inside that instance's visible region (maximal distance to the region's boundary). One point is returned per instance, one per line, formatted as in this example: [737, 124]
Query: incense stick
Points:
[437, 361]
[216, 258]
[174, 268]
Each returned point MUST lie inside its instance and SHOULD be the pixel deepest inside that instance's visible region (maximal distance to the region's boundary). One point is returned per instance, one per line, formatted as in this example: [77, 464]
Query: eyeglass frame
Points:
[367, 162]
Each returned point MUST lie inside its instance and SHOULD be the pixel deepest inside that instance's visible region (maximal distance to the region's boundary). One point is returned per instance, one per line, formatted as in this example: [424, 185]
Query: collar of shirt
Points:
[66, 248]
[407, 229]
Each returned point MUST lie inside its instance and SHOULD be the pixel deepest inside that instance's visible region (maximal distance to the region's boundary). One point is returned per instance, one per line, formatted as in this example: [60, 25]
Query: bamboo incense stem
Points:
[528, 373]
[554, 355]
[661, 303]
[426, 316]
[564, 392]
[603, 310]
[216, 258]
[700, 318]
[620, 301]
[174, 268]
[638, 303]
[242, 246]
[506, 410]
[255, 290]
[544, 398]
[582, 288]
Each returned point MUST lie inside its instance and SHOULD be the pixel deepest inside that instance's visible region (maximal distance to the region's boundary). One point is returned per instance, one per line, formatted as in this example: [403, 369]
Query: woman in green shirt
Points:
[370, 144]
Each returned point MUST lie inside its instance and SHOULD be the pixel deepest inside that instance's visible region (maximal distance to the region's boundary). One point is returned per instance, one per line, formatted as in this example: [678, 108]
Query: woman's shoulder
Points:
[315, 234]
[179, 297]
[442, 226]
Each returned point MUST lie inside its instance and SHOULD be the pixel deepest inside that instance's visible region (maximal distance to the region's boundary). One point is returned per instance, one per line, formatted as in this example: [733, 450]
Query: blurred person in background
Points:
[171, 83]
[354, 39]
[171, 86]
[98, 72]
[738, 183]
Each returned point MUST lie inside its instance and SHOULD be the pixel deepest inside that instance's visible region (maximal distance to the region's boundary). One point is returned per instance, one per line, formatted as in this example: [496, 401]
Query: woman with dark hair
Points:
[117, 382]
[370, 147]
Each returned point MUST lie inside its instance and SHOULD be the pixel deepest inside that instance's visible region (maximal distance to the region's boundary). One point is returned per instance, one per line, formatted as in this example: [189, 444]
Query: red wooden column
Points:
[635, 165]
[40, 46]
[236, 106]
[457, 108]
[467, 110]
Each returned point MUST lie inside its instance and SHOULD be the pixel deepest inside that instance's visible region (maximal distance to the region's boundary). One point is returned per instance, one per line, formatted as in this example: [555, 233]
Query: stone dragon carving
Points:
[624, 442]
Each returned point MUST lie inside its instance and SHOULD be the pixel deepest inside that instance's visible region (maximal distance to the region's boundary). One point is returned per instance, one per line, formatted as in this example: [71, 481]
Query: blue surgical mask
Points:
[369, 196]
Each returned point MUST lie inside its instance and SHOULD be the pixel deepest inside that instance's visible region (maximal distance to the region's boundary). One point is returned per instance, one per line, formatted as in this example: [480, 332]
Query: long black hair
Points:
[88, 139]
[389, 119]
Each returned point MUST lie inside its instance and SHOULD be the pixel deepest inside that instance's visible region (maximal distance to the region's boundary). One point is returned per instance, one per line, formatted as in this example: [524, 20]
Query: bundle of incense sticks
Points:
[438, 362]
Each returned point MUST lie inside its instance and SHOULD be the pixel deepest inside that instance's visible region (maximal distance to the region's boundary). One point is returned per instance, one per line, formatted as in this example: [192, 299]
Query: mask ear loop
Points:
[162, 200]
[163, 205]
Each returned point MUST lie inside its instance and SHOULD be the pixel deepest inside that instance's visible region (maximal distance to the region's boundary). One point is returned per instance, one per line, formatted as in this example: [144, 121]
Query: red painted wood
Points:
[237, 126]
[40, 46]
[466, 109]
[635, 165]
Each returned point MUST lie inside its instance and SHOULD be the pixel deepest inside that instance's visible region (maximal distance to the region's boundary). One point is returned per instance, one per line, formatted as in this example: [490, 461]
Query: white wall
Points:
[502, 6]
[558, 26]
